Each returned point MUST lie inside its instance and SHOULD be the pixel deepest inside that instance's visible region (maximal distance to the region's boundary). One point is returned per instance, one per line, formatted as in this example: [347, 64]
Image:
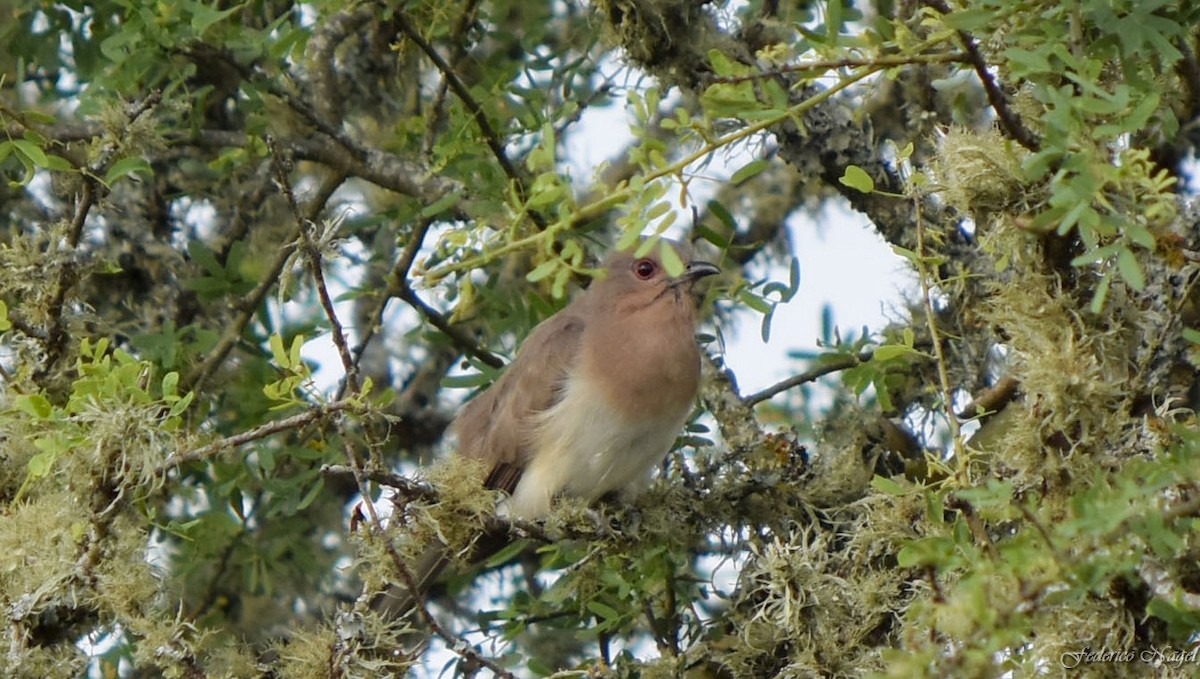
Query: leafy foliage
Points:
[252, 256]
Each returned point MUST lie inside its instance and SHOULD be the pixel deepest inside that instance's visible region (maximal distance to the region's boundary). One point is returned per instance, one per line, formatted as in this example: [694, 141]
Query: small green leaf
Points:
[311, 494]
[749, 170]
[277, 350]
[541, 271]
[5, 324]
[465, 381]
[41, 464]
[181, 405]
[203, 17]
[1101, 293]
[670, 259]
[510, 551]
[888, 352]
[888, 486]
[170, 385]
[857, 178]
[34, 405]
[721, 64]
[294, 360]
[31, 151]
[1192, 335]
[603, 611]
[128, 166]
[1130, 270]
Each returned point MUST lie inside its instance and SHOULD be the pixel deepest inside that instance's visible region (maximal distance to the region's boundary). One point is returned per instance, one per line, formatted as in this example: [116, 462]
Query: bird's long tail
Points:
[399, 599]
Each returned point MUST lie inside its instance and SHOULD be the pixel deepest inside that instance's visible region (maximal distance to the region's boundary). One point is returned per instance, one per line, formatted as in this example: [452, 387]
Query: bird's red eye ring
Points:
[645, 269]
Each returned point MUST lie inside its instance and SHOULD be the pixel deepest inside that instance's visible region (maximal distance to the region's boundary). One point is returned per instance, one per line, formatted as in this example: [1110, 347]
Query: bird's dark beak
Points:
[697, 270]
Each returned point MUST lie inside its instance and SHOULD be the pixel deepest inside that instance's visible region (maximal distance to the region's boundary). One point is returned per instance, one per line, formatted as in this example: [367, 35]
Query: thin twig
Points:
[490, 137]
[1009, 119]
[249, 304]
[304, 227]
[935, 337]
[886, 61]
[262, 431]
[440, 322]
[830, 366]
[397, 280]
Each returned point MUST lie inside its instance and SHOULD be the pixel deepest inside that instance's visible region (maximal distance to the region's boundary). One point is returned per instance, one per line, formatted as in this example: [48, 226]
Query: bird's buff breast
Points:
[584, 446]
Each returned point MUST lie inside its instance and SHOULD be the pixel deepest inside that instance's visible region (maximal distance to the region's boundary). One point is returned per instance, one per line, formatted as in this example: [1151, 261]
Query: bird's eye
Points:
[645, 269]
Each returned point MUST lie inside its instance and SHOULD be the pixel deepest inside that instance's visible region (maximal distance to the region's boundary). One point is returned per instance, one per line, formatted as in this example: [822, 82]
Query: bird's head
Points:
[637, 282]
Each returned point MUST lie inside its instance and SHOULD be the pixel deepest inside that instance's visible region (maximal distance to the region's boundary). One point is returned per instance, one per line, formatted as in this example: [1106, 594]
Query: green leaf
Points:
[170, 385]
[749, 170]
[58, 164]
[858, 179]
[31, 151]
[968, 19]
[889, 352]
[1101, 293]
[294, 360]
[510, 551]
[181, 405]
[278, 352]
[465, 381]
[34, 405]
[755, 302]
[41, 464]
[1130, 270]
[5, 323]
[203, 17]
[128, 166]
[1192, 335]
[312, 494]
[670, 259]
[721, 64]
[889, 486]
[603, 611]
[542, 270]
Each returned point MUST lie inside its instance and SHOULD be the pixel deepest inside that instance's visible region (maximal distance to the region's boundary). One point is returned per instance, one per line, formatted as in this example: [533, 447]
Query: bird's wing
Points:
[496, 425]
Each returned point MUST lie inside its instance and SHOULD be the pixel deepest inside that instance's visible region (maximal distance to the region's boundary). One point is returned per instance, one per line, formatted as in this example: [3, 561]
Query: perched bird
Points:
[593, 400]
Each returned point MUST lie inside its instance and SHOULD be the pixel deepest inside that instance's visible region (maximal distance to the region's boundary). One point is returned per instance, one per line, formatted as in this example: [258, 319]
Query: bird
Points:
[591, 402]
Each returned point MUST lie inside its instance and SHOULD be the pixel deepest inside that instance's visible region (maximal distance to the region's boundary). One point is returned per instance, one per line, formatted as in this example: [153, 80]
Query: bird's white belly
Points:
[584, 448]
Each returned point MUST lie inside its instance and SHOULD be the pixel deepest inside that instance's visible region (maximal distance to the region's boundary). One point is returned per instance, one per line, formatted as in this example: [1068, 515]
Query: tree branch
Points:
[440, 322]
[830, 366]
